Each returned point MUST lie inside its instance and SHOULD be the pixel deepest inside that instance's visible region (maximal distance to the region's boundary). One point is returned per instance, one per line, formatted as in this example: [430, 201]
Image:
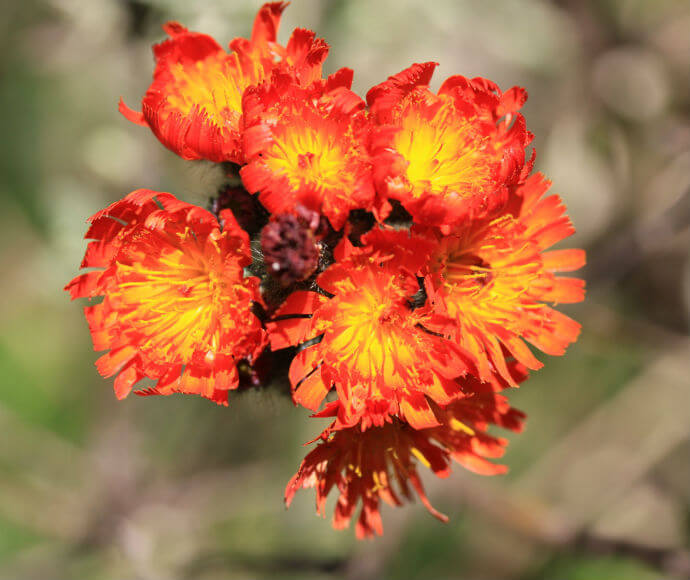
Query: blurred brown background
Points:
[177, 488]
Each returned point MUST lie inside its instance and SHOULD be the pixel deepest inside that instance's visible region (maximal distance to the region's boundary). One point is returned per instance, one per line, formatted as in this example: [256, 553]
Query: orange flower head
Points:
[194, 105]
[306, 148]
[380, 464]
[451, 156]
[492, 277]
[176, 305]
[374, 348]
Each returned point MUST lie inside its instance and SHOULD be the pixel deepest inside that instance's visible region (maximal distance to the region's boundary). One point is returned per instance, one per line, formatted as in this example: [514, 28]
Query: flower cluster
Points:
[398, 247]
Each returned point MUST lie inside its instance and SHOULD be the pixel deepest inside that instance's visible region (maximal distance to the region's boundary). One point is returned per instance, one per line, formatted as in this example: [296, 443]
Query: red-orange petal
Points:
[176, 306]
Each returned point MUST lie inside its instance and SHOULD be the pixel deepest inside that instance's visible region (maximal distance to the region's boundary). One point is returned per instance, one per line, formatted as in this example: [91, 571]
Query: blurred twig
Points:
[559, 498]
[631, 246]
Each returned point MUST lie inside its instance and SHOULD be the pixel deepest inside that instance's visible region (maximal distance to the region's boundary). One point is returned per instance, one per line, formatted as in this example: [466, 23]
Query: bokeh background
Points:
[177, 488]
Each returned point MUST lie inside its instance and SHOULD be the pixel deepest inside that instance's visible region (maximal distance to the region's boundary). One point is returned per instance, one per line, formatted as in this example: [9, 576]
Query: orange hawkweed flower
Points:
[194, 105]
[308, 149]
[374, 348]
[176, 306]
[380, 464]
[450, 156]
[492, 277]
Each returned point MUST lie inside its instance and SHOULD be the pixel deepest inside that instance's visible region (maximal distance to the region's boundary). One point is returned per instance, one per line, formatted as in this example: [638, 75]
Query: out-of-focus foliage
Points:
[179, 488]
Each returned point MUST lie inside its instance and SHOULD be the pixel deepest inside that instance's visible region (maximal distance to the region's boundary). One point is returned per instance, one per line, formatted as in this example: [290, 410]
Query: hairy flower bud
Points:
[291, 249]
[247, 210]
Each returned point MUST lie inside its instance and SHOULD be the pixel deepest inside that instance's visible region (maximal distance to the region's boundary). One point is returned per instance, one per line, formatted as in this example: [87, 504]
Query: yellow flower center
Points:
[487, 273]
[215, 85]
[468, 272]
[310, 156]
[372, 334]
[174, 301]
[446, 155]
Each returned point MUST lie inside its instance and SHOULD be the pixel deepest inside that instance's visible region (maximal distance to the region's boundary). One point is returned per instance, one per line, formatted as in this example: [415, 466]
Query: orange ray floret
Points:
[493, 278]
[380, 464]
[451, 156]
[306, 148]
[374, 347]
[176, 306]
[194, 105]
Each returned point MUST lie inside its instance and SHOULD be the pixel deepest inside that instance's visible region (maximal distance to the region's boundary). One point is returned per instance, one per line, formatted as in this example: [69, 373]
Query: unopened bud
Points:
[290, 248]
[249, 214]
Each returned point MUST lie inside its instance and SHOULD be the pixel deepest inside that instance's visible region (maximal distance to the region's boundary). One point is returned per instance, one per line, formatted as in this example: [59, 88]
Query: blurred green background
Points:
[168, 488]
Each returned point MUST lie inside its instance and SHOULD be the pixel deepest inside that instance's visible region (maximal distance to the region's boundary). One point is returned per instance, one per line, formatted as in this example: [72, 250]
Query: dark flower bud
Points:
[290, 247]
[312, 220]
[248, 212]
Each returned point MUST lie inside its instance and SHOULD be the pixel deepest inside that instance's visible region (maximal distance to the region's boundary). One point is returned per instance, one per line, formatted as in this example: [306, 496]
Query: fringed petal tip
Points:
[380, 463]
[136, 117]
[194, 104]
